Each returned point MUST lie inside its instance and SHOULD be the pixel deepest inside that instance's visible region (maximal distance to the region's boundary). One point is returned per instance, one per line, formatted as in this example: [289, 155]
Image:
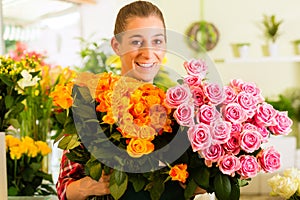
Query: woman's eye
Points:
[158, 41]
[137, 43]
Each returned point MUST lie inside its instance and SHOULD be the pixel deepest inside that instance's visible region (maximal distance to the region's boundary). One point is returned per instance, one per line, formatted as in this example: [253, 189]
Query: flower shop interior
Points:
[238, 44]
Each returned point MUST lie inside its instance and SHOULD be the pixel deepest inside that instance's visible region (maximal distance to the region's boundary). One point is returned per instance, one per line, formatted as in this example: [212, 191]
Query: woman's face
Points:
[141, 48]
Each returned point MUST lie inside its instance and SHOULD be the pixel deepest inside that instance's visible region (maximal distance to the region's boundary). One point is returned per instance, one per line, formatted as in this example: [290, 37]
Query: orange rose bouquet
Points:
[121, 126]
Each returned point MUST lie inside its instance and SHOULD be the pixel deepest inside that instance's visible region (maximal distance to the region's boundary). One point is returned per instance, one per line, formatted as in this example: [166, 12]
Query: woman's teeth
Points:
[145, 65]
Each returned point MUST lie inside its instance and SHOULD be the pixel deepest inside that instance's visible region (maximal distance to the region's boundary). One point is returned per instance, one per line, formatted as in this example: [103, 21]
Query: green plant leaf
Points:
[12, 191]
[201, 176]
[190, 189]
[9, 101]
[117, 190]
[235, 191]
[222, 187]
[119, 177]
[94, 169]
[138, 182]
[157, 188]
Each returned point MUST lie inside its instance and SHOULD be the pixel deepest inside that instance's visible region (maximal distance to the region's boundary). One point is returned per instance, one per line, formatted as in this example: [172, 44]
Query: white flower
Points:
[283, 186]
[27, 79]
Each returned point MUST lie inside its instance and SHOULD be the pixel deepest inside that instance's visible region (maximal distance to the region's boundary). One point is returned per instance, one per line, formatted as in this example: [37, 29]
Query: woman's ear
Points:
[115, 45]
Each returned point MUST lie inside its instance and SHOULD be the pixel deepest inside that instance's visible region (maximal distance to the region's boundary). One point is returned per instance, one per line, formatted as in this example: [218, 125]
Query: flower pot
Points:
[240, 50]
[270, 50]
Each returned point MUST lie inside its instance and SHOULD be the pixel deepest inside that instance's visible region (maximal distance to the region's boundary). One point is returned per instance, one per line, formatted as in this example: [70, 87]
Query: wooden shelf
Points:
[259, 60]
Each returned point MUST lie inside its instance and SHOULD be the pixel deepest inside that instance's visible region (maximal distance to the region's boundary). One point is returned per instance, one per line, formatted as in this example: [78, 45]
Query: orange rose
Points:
[139, 147]
[179, 173]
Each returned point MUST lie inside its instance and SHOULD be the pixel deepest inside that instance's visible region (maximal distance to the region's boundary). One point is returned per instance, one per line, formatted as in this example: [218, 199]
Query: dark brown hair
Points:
[136, 9]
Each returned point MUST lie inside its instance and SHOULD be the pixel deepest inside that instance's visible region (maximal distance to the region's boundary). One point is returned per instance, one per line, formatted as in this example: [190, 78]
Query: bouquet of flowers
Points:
[197, 133]
[286, 185]
[24, 174]
[226, 127]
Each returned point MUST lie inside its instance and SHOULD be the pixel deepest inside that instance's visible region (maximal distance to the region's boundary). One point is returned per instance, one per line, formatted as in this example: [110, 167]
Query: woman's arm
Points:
[73, 184]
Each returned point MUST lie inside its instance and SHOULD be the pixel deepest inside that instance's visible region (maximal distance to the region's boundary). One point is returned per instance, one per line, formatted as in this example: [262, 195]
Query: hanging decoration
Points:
[202, 35]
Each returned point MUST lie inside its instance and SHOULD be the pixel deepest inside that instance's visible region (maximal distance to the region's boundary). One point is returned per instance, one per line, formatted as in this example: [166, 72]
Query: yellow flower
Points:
[15, 152]
[139, 147]
[28, 145]
[11, 141]
[179, 173]
[43, 148]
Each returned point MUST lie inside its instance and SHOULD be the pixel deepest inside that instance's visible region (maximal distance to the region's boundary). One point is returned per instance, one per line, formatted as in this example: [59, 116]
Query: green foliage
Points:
[95, 57]
[271, 27]
[25, 177]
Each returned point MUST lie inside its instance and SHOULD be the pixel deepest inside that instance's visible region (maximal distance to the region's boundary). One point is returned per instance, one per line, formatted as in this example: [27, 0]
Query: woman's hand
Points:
[87, 186]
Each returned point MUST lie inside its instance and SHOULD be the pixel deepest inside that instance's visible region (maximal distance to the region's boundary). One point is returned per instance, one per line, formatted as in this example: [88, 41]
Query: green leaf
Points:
[119, 177]
[235, 191]
[9, 101]
[190, 189]
[201, 177]
[94, 168]
[6, 80]
[12, 191]
[117, 190]
[138, 182]
[222, 186]
[64, 142]
[14, 122]
[73, 142]
[157, 189]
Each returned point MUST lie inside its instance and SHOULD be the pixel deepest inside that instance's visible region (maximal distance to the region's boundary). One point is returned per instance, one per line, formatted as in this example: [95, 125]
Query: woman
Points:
[140, 42]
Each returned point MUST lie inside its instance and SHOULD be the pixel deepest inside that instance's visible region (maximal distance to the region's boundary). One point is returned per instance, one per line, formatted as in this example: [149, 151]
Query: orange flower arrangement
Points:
[132, 116]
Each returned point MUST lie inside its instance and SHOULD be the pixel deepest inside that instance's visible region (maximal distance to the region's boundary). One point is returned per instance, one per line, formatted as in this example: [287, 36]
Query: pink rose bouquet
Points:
[226, 127]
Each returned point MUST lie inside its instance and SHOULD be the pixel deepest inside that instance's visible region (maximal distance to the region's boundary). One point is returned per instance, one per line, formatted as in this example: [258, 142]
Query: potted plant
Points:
[271, 32]
[240, 50]
[296, 44]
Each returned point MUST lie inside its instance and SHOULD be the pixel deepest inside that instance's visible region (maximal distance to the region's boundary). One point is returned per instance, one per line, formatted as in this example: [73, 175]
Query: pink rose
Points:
[232, 146]
[192, 80]
[198, 96]
[184, 114]
[250, 140]
[252, 89]
[220, 131]
[229, 164]
[214, 93]
[212, 154]
[234, 113]
[207, 114]
[236, 85]
[247, 102]
[230, 95]
[177, 95]
[199, 136]
[249, 166]
[196, 68]
[265, 115]
[283, 126]
[264, 133]
[236, 128]
[249, 126]
[269, 159]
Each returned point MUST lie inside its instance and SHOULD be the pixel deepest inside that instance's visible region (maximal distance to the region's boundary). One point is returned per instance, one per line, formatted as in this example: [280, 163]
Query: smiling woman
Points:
[142, 48]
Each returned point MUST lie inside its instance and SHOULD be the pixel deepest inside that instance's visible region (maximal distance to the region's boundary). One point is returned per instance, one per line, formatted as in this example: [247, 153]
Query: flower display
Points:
[223, 127]
[286, 185]
[24, 172]
[226, 127]
[10, 98]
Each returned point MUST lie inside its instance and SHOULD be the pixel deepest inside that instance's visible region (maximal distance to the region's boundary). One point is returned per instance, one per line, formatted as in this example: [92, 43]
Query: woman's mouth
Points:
[145, 65]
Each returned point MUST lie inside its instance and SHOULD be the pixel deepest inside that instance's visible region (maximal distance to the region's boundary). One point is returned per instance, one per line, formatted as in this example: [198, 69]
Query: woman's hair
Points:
[136, 9]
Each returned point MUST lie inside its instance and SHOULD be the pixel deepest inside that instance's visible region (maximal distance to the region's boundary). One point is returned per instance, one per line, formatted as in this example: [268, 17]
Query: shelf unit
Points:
[259, 60]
